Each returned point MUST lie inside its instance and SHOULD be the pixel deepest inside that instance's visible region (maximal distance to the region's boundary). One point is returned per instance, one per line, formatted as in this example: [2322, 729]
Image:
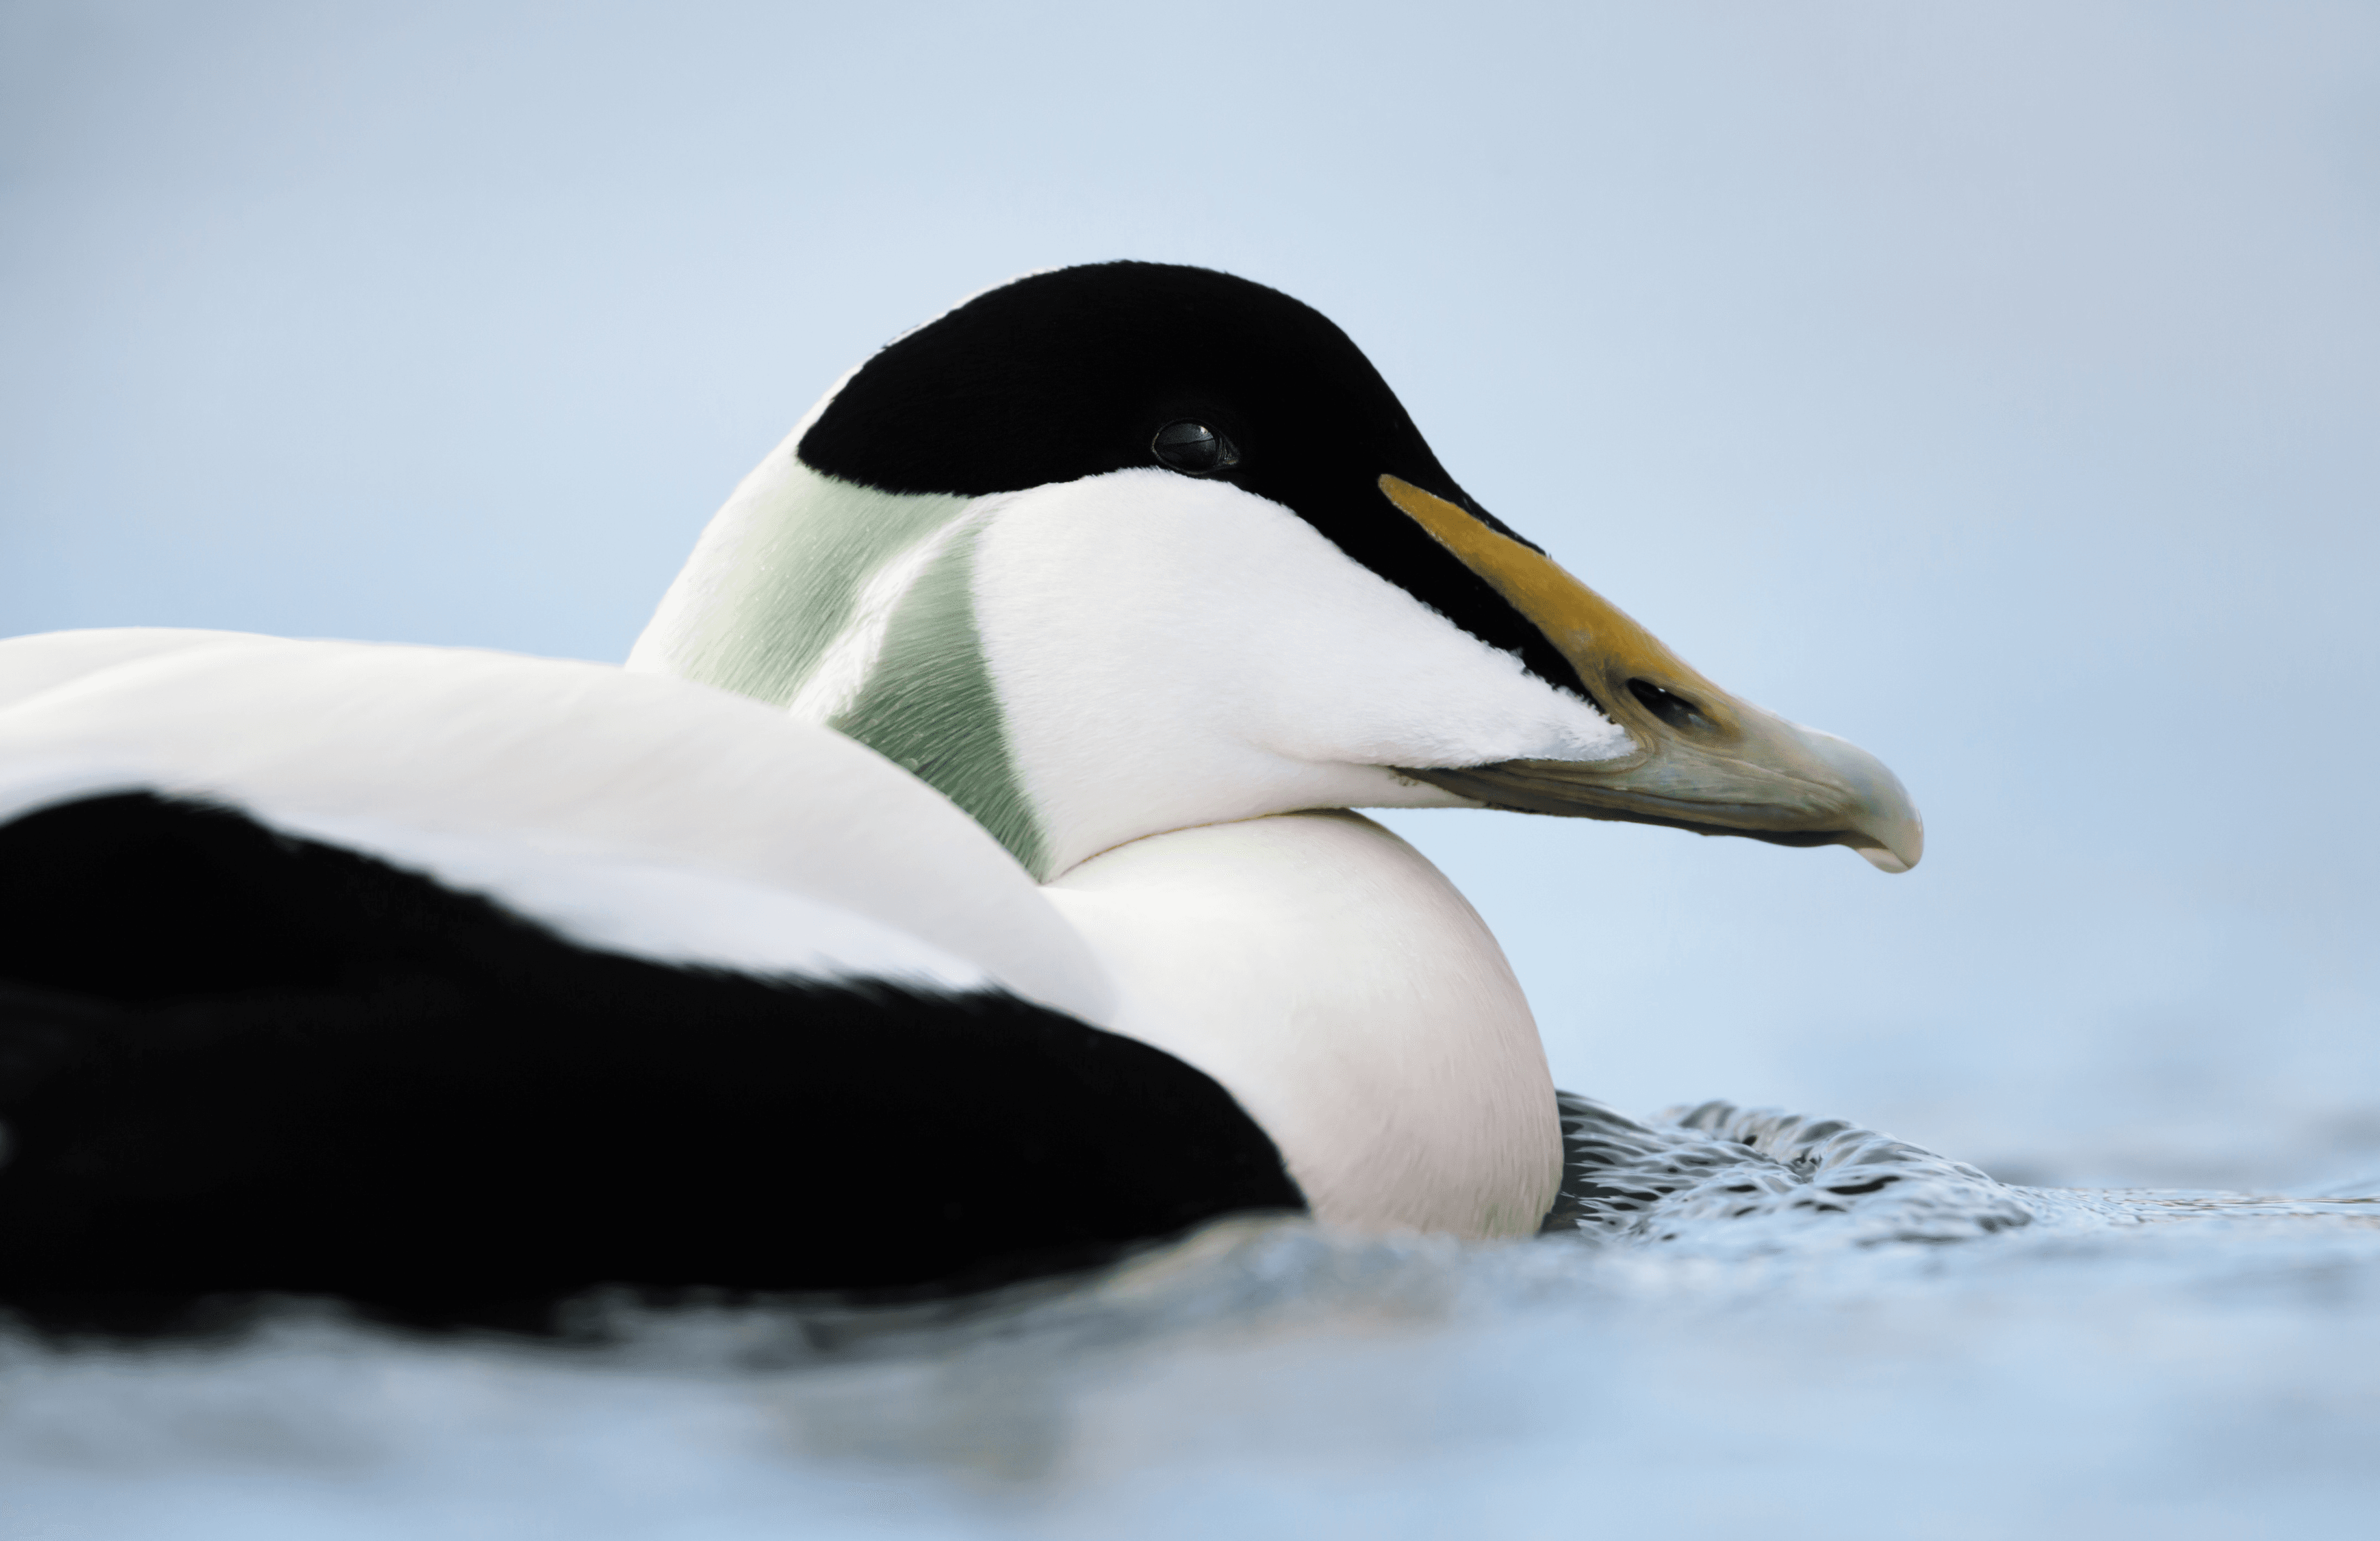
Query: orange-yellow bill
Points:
[1704, 760]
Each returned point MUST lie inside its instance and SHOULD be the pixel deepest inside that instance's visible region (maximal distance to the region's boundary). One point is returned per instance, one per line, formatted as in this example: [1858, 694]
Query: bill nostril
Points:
[1668, 705]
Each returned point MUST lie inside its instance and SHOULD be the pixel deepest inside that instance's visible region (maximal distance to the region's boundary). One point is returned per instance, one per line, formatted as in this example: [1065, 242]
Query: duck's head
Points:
[1116, 550]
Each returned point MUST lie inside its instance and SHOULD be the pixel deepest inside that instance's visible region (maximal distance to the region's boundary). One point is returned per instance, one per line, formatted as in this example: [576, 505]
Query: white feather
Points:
[555, 787]
[1175, 660]
[1341, 988]
[1172, 652]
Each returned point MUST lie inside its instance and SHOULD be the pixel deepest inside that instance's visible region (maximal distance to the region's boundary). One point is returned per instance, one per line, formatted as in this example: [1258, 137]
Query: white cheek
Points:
[1180, 651]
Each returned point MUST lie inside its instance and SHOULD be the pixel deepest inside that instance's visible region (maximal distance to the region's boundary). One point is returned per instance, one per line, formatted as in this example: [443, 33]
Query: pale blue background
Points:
[1994, 384]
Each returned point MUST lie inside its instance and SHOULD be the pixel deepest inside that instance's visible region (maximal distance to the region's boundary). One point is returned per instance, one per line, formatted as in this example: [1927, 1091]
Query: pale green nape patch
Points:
[777, 575]
[801, 570]
[929, 705]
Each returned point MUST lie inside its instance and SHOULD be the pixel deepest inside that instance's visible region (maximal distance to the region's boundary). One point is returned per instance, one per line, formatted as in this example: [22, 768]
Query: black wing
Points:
[233, 1062]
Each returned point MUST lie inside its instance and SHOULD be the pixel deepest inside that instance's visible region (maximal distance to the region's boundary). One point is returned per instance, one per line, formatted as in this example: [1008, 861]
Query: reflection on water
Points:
[1741, 1321]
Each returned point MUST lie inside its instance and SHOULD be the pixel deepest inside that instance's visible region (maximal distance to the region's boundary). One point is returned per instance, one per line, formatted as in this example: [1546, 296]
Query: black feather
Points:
[233, 1062]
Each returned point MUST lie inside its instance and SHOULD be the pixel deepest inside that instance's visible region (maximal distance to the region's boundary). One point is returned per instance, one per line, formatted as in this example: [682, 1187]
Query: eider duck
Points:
[956, 884]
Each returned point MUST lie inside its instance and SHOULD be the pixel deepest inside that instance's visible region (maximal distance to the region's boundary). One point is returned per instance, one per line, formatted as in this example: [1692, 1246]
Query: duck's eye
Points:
[1193, 448]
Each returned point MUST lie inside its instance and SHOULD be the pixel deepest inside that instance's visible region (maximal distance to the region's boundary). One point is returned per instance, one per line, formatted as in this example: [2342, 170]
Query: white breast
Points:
[1341, 989]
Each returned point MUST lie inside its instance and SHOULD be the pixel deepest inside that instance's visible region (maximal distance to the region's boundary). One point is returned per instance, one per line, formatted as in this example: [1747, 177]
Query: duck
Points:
[960, 882]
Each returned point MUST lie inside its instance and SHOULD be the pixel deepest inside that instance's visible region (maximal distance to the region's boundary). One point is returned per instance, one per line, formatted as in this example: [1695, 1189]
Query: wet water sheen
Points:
[1740, 1323]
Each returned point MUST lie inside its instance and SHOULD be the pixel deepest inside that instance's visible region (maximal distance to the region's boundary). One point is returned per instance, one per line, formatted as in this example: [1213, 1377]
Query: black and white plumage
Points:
[323, 1074]
[949, 886]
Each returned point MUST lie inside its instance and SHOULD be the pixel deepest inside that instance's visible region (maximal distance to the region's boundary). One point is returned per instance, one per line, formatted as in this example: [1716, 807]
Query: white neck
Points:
[1344, 992]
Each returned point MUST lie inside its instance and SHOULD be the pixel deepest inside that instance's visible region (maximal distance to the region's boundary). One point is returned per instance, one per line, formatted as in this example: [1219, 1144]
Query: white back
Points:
[646, 815]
